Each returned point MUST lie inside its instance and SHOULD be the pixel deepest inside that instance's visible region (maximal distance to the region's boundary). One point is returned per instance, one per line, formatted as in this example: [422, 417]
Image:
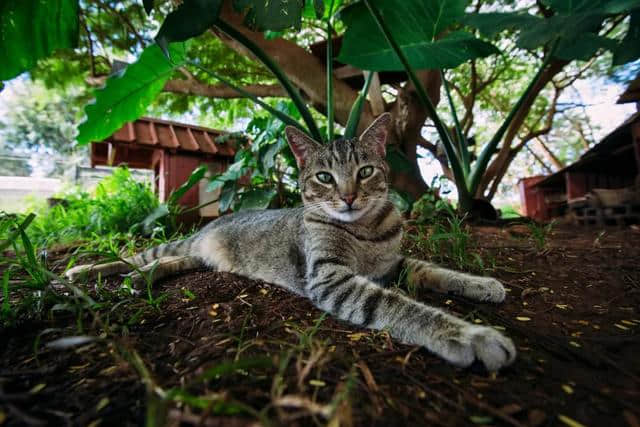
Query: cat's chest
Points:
[375, 259]
[367, 255]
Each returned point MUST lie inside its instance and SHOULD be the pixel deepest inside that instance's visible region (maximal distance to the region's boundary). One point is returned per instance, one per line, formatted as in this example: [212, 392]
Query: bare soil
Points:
[573, 310]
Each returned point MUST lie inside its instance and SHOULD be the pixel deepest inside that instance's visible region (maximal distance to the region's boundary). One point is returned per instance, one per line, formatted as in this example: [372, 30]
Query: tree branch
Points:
[193, 87]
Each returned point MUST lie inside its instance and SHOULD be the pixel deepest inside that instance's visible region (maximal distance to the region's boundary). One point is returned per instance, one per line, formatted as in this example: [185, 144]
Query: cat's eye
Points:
[324, 177]
[365, 172]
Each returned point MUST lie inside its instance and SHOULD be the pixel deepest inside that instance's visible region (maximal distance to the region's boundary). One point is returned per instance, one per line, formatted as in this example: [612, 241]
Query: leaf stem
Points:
[484, 157]
[463, 148]
[277, 72]
[356, 108]
[424, 98]
[279, 114]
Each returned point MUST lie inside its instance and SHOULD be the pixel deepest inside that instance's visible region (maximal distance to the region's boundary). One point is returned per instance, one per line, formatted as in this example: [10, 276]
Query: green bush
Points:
[118, 204]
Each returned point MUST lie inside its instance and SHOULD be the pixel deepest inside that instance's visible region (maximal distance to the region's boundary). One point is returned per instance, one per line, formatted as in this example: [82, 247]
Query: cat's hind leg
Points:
[425, 275]
[164, 267]
[92, 271]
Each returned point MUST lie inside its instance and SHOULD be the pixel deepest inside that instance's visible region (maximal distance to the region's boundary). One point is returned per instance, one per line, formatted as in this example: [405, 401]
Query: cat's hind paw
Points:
[485, 344]
[76, 273]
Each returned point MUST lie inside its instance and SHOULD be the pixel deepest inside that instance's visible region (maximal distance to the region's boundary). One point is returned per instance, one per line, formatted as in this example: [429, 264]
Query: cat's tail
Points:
[179, 248]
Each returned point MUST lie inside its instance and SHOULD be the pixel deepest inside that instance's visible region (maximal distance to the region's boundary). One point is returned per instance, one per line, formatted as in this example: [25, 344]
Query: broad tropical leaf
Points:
[629, 49]
[194, 178]
[583, 47]
[575, 27]
[33, 29]
[126, 96]
[274, 15]
[416, 25]
[490, 24]
[257, 198]
[190, 19]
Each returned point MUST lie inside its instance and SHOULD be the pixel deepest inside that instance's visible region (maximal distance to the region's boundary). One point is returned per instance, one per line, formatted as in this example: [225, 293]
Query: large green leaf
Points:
[33, 29]
[575, 27]
[583, 47]
[629, 49]
[257, 198]
[127, 95]
[194, 178]
[190, 19]
[274, 15]
[490, 24]
[415, 25]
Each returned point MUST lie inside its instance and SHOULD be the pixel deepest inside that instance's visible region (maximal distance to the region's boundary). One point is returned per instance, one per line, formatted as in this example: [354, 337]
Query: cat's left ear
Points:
[301, 144]
[376, 134]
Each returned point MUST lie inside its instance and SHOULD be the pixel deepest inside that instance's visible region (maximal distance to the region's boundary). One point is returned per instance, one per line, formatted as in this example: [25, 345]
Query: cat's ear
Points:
[301, 144]
[376, 134]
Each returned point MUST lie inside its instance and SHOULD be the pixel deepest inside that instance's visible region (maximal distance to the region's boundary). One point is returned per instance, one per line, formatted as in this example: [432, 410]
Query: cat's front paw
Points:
[485, 344]
[485, 289]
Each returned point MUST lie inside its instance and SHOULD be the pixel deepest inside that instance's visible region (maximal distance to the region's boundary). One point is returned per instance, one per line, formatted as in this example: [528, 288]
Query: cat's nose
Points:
[348, 198]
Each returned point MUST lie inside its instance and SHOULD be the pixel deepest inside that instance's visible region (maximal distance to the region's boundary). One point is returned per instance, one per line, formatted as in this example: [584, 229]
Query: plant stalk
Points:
[463, 148]
[356, 108]
[330, 75]
[277, 72]
[454, 161]
[484, 157]
[277, 113]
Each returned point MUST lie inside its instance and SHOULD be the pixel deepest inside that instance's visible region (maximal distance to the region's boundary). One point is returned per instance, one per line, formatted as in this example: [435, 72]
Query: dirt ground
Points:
[573, 310]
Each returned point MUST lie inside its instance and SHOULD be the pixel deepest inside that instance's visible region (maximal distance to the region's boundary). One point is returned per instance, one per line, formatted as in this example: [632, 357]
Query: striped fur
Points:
[340, 250]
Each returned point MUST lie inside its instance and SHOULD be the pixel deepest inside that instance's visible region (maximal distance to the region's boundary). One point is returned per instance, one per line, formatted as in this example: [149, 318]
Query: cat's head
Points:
[346, 179]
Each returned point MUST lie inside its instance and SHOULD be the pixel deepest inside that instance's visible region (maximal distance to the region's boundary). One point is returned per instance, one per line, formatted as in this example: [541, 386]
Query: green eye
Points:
[365, 172]
[324, 177]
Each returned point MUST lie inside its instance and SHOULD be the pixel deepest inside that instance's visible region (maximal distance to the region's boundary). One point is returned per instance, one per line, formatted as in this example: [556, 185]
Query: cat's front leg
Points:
[422, 274]
[334, 288]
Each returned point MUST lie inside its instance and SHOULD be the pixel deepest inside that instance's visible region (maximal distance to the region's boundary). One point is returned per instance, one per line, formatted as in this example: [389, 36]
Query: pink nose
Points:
[348, 198]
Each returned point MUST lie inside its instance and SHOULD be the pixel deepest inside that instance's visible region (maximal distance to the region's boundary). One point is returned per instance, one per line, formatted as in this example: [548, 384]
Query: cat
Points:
[340, 250]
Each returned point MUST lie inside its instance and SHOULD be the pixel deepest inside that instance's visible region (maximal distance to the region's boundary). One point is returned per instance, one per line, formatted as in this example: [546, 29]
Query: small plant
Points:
[448, 240]
[540, 233]
[431, 206]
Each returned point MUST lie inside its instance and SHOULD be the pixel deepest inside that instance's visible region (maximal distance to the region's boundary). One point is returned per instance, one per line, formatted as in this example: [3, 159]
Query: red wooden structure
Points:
[613, 164]
[172, 150]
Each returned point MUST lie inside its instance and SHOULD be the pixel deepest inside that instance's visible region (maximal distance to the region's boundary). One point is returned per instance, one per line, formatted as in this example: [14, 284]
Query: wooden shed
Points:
[172, 150]
[601, 188]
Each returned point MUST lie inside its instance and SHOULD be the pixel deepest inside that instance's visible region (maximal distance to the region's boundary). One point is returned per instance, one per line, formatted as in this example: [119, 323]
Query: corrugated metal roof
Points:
[170, 135]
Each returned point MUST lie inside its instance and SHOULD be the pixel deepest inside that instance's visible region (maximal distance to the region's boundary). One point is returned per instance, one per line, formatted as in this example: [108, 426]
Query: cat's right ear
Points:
[301, 144]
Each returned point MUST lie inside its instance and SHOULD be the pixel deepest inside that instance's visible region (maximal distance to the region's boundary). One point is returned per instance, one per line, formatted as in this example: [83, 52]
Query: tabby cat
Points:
[340, 250]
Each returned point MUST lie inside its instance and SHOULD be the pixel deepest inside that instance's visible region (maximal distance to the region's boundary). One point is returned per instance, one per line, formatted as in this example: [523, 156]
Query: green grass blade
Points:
[6, 306]
[268, 62]
[14, 235]
[226, 368]
[356, 108]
